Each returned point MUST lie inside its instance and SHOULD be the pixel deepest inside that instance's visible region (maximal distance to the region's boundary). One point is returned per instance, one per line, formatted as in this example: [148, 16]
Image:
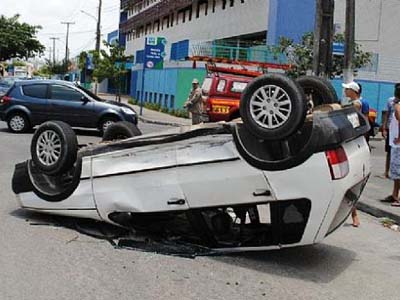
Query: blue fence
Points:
[377, 93]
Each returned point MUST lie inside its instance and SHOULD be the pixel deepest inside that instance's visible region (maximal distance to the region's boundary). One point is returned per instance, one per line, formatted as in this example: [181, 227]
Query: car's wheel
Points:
[106, 122]
[18, 123]
[318, 91]
[54, 147]
[273, 107]
[120, 131]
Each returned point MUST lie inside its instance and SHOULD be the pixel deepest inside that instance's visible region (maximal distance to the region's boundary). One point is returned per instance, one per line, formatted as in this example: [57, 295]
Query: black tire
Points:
[285, 112]
[318, 91]
[121, 131]
[18, 122]
[102, 124]
[62, 148]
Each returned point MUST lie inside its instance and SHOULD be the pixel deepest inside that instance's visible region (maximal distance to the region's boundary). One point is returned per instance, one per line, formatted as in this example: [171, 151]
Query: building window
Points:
[180, 50]
[151, 97]
[172, 102]
[140, 56]
[138, 95]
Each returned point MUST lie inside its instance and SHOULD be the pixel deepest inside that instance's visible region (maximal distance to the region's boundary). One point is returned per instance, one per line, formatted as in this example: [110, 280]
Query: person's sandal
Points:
[388, 199]
[396, 204]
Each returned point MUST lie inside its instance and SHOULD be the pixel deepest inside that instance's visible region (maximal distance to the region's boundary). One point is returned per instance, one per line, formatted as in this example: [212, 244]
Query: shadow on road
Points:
[320, 263]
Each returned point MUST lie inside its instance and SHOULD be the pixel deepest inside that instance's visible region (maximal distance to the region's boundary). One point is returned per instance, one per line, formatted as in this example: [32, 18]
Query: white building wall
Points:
[377, 30]
[243, 18]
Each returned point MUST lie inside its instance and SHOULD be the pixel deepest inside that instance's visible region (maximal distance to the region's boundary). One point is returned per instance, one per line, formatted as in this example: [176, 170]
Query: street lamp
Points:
[90, 15]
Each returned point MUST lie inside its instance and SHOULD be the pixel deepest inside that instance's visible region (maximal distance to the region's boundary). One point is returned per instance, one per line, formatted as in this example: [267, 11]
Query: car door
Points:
[35, 99]
[70, 105]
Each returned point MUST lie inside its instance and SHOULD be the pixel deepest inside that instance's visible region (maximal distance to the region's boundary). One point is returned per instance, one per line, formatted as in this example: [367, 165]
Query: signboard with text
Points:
[154, 53]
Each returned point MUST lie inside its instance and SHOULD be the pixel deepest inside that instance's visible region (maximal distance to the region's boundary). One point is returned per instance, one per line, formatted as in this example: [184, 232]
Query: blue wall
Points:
[377, 93]
[160, 85]
[291, 19]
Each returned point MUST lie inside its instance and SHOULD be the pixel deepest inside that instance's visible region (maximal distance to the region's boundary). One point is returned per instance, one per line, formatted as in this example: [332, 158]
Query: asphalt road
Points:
[47, 262]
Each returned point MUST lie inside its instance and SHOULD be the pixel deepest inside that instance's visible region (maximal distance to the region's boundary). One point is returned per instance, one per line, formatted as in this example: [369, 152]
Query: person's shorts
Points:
[387, 145]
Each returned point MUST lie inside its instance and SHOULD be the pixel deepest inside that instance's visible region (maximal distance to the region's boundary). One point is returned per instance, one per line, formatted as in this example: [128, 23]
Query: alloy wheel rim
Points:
[107, 124]
[48, 148]
[17, 123]
[270, 106]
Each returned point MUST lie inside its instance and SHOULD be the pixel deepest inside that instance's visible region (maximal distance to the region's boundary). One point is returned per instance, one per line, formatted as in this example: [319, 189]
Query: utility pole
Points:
[98, 31]
[54, 49]
[66, 43]
[50, 54]
[349, 41]
[323, 37]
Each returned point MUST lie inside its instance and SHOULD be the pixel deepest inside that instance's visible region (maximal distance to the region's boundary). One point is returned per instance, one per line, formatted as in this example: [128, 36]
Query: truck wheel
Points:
[273, 107]
[121, 131]
[54, 148]
[318, 91]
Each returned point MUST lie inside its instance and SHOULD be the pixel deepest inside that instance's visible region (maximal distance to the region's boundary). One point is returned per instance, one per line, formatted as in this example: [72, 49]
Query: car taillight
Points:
[5, 99]
[338, 163]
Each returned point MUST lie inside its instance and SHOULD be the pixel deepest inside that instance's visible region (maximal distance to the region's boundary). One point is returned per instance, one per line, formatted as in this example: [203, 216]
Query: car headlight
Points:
[128, 111]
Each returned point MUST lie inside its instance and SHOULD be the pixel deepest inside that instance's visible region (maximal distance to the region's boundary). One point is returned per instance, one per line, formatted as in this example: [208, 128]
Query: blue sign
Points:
[338, 48]
[154, 53]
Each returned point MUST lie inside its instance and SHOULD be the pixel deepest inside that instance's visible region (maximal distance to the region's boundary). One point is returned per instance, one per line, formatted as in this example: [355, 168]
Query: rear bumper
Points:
[347, 204]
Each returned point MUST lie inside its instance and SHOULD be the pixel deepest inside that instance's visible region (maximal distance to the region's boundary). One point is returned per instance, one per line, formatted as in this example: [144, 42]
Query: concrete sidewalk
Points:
[377, 189]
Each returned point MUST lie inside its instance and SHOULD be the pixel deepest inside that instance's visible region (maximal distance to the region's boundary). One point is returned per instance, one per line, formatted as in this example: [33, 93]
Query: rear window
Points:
[61, 92]
[35, 91]
[206, 85]
[238, 87]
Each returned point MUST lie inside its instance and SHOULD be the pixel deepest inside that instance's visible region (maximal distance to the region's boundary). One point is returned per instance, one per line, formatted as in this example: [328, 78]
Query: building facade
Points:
[198, 27]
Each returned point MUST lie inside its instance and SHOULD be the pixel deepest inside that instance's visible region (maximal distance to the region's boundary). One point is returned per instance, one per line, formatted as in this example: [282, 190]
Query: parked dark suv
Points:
[32, 102]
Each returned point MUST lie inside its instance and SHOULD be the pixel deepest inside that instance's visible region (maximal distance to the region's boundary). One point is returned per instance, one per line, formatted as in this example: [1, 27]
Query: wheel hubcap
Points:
[107, 124]
[17, 123]
[48, 148]
[270, 106]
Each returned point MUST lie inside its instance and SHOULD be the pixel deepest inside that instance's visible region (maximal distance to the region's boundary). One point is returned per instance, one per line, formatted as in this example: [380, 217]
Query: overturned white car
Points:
[277, 179]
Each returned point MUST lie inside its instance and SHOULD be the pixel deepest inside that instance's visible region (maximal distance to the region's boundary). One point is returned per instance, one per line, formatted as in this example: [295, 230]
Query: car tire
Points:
[18, 123]
[273, 107]
[54, 148]
[319, 91]
[105, 122]
[120, 131]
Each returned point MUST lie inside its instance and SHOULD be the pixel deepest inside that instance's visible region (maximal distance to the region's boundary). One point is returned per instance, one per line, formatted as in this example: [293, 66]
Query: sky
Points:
[50, 13]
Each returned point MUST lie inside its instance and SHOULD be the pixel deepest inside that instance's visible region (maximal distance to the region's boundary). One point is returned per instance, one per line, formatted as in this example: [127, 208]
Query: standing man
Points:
[194, 103]
[352, 91]
[387, 115]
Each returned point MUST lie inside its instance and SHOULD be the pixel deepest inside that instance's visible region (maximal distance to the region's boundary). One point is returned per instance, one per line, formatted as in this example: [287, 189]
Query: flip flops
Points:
[396, 204]
[388, 199]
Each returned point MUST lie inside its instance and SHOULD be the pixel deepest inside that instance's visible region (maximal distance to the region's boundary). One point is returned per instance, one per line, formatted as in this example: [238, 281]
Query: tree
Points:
[111, 64]
[301, 56]
[18, 40]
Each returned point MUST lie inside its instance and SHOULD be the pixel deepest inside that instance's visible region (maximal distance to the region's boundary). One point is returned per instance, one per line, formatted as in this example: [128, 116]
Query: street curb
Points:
[144, 120]
[377, 212]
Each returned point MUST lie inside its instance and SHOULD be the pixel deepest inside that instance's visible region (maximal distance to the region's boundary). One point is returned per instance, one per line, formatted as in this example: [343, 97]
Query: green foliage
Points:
[301, 56]
[110, 64]
[181, 113]
[18, 40]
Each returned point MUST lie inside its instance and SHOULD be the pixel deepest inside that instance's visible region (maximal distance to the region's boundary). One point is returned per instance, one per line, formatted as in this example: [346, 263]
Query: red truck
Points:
[223, 88]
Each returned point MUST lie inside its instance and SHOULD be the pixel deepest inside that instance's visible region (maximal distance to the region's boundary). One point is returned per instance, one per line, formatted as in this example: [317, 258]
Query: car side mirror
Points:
[84, 99]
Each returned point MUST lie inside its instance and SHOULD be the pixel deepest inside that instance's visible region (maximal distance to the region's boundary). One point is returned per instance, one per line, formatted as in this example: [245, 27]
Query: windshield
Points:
[95, 97]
